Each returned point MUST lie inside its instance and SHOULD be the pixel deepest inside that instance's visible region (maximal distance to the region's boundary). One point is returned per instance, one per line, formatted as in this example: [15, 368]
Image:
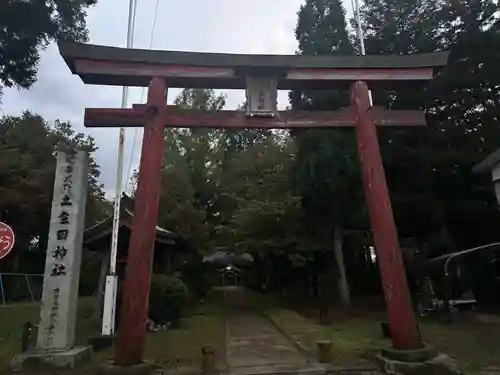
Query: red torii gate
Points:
[261, 76]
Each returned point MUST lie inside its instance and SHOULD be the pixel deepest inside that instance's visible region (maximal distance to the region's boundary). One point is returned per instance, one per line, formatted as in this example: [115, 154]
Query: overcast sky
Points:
[233, 26]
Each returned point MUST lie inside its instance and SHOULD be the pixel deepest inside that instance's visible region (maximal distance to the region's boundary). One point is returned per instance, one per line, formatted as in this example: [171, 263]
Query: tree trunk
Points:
[105, 258]
[314, 285]
[345, 296]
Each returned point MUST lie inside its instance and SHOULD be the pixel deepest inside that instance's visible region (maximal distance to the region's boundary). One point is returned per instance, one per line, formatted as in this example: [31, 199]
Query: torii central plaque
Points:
[261, 76]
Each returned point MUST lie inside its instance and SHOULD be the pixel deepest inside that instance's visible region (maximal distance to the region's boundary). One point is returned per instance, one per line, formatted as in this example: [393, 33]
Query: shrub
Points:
[168, 298]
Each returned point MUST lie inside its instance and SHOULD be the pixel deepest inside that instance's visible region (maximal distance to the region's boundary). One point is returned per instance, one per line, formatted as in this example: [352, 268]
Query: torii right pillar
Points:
[409, 355]
[401, 318]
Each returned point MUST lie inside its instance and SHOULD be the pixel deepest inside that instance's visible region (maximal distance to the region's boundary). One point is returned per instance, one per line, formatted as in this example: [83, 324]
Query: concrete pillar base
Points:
[70, 358]
[424, 361]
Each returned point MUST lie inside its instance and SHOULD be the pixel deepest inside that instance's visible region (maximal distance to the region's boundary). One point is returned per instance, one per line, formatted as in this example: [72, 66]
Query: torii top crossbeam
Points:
[258, 74]
[102, 65]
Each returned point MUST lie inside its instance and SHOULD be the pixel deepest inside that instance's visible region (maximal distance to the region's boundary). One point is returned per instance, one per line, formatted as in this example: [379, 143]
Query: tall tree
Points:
[442, 197]
[259, 185]
[200, 100]
[27, 168]
[321, 28]
[191, 156]
[401, 26]
[468, 17]
[28, 27]
[261, 212]
[327, 175]
[199, 146]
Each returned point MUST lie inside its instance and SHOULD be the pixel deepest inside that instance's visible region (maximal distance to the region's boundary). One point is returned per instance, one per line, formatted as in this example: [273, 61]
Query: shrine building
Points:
[170, 253]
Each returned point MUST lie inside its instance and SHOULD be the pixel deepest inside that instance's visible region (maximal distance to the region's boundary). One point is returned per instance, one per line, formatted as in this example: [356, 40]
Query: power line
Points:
[151, 40]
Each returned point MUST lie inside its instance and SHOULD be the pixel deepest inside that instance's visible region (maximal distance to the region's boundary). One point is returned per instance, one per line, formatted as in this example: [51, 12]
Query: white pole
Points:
[108, 319]
[361, 36]
[360, 28]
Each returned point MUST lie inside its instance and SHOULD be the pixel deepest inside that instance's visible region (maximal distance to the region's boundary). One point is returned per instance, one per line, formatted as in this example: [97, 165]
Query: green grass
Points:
[474, 346]
[13, 317]
[182, 346]
[173, 348]
[356, 340]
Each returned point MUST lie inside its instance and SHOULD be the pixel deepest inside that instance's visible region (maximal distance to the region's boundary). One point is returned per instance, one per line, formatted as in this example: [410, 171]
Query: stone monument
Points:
[56, 331]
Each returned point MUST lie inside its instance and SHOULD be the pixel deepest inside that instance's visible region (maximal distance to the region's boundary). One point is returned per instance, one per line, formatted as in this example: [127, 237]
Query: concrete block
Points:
[52, 359]
[441, 364]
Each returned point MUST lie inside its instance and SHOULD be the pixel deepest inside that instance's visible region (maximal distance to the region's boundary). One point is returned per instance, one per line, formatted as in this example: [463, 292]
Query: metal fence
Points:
[20, 287]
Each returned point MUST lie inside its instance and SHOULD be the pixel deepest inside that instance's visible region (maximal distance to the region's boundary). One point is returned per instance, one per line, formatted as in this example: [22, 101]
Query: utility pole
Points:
[111, 286]
[357, 14]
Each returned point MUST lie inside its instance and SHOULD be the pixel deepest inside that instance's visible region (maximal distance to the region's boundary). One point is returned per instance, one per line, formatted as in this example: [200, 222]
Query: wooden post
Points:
[134, 313]
[208, 365]
[401, 318]
[324, 353]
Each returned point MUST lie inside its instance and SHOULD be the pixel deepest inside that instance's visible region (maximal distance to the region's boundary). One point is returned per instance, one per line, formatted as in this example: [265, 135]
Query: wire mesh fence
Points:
[20, 288]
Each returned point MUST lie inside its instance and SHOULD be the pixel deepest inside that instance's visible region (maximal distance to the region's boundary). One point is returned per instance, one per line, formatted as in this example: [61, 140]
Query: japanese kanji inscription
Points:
[62, 266]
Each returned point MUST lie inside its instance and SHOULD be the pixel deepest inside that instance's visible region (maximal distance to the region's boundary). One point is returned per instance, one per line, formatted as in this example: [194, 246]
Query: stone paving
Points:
[253, 344]
[253, 341]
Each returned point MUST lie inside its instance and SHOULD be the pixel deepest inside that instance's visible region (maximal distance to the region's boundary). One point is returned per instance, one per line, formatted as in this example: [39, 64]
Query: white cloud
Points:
[233, 26]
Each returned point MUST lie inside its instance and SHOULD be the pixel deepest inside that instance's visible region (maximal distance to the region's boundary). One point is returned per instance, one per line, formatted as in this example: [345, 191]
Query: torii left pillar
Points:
[134, 311]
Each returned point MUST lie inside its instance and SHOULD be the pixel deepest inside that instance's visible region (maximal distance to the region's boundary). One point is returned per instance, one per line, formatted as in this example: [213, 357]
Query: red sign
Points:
[7, 239]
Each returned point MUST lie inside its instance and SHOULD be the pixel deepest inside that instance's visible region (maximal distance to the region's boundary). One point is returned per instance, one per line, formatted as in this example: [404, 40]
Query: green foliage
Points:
[192, 202]
[326, 175]
[200, 99]
[234, 141]
[168, 298]
[257, 190]
[27, 167]
[321, 28]
[27, 170]
[436, 200]
[28, 27]
[401, 26]
[468, 17]
[429, 171]
[178, 208]
[188, 186]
